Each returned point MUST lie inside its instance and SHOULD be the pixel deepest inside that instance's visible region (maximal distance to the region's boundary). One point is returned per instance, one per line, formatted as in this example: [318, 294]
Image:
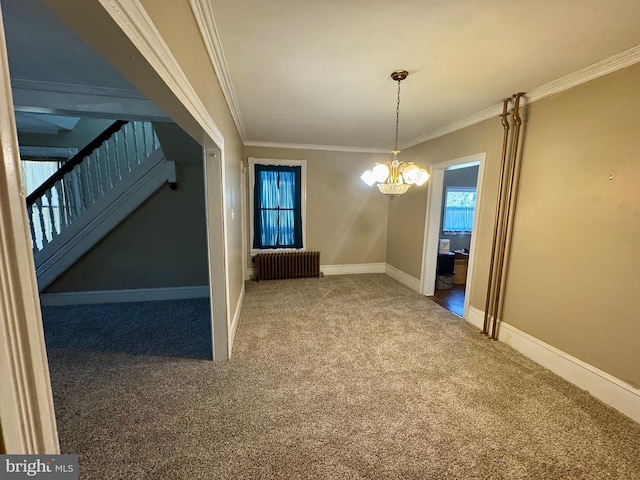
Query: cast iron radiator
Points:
[274, 266]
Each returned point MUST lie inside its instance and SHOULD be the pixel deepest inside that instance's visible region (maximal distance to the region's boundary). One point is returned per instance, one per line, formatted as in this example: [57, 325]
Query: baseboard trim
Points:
[352, 269]
[236, 319]
[605, 387]
[124, 295]
[404, 278]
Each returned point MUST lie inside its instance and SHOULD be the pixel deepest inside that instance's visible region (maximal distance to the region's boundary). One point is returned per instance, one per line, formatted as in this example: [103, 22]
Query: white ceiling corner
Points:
[604, 67]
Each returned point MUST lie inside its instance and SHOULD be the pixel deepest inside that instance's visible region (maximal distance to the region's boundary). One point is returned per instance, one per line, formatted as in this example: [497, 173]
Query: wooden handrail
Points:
[75, 160]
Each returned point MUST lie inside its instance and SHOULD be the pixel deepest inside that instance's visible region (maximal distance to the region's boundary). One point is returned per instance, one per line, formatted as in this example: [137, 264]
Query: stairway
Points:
[92, 192]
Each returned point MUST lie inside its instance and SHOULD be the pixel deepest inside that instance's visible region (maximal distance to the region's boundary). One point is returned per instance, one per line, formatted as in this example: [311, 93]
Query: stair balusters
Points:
[85, 178]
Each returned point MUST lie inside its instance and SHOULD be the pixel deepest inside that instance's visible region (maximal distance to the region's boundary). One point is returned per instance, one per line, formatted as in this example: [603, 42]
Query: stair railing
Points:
[86, 177]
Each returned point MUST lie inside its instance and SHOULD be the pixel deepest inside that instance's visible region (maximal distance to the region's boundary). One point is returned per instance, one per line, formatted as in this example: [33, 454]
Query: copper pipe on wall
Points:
[517, 122]
[505, 142]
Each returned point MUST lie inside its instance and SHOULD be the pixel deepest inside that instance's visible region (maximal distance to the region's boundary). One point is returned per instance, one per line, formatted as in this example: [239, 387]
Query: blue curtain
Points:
[277, 207]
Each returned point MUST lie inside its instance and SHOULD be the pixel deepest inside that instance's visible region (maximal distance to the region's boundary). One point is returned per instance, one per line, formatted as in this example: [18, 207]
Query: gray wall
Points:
[461, 177]
[163, 243]
[86, 130]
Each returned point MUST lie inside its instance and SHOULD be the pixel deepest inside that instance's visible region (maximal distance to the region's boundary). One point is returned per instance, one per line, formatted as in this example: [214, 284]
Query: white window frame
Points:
[253, 161]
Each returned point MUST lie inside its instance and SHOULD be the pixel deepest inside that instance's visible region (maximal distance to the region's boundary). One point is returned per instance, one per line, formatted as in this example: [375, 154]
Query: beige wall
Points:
[406, 232]
[346, 220]
[572, 279]
[176, 24]
[163, 243]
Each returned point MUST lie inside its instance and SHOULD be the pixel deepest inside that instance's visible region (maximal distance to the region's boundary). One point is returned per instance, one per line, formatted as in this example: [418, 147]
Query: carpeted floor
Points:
[346, 377]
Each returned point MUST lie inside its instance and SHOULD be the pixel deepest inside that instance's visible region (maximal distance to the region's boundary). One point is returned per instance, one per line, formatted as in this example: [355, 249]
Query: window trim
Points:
[303, 199]
[444, 208]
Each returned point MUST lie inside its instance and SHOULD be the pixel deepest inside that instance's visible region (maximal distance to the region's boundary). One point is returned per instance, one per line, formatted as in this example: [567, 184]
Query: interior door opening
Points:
[449, 233]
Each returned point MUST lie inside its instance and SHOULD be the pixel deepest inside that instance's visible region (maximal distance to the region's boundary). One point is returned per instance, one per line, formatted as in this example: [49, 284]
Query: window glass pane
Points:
[458, 213]
[461, 198]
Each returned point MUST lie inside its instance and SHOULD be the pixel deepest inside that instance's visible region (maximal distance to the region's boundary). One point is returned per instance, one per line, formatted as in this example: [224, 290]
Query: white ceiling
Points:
[317, 72]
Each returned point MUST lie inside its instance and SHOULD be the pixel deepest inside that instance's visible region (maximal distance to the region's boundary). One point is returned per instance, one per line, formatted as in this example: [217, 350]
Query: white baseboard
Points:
[607, 388]
[126, 295]
[352, 268]
[236, 319]
[348, 269]
[412, 282]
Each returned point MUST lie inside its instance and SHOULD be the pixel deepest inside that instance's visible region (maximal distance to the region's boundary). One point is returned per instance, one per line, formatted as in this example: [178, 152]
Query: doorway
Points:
[449, 246]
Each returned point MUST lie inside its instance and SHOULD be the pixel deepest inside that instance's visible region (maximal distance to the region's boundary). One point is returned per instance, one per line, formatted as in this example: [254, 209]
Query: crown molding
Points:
[305, 146]
[478, 117]
[599, 69]
[134, 21]
[203, 14]
[76, 89]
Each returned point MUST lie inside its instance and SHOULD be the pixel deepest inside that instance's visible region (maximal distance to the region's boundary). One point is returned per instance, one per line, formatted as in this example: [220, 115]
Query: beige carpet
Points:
[349, 377]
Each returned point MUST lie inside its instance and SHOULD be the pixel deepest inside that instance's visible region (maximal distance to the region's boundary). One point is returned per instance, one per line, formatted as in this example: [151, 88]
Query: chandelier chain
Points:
[395, 148]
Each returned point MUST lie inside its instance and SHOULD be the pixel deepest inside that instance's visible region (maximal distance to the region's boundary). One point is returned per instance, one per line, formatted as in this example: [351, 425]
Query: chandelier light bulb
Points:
[380, 173]
[369, 178]
[423, 176]
[411, 173]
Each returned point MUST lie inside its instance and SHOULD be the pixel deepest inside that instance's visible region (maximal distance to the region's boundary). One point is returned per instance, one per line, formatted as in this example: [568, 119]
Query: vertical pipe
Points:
[494, 244]
[517, 122]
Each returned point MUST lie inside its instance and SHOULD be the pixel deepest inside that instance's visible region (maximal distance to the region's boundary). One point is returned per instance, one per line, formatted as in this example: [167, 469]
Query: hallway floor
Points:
[452, 299]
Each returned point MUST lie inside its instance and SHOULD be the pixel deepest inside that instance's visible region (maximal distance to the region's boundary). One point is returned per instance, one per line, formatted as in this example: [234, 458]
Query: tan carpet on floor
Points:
[346, 377]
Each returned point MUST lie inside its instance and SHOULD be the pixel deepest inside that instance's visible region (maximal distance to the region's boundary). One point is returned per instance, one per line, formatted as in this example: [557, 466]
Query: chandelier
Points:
[395, 177]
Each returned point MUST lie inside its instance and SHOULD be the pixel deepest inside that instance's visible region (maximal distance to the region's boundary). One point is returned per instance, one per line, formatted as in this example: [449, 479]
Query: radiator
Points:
[274, 266]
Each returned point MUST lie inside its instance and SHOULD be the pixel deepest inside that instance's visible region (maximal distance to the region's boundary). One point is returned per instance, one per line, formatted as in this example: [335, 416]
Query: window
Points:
[278, 194]
[46, 217]
[458, 210]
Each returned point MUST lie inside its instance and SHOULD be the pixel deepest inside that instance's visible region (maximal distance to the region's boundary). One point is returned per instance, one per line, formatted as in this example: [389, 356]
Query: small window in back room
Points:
[458, 211]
